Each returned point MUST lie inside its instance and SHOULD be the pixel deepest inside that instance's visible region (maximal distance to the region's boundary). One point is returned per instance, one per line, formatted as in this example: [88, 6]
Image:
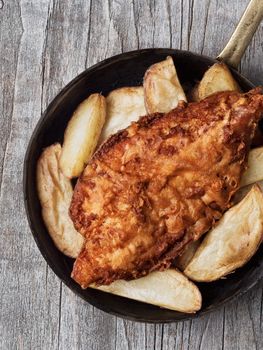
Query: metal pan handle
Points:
[243, 34]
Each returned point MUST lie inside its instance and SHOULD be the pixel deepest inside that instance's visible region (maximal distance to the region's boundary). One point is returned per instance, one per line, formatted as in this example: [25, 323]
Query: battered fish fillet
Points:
[159, 184]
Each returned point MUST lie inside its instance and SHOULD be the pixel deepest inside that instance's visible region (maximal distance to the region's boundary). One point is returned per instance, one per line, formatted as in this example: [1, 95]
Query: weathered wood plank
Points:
[252, 63]
[67, 43]
[220, 330]
[243, 328]
[29, 294]
[10, 22]
[243, 318]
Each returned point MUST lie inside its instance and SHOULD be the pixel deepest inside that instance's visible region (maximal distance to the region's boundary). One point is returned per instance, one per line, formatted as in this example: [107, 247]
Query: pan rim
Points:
[26, 185]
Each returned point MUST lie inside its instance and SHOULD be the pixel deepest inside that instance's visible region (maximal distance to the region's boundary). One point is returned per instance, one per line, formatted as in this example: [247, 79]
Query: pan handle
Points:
[243, 34]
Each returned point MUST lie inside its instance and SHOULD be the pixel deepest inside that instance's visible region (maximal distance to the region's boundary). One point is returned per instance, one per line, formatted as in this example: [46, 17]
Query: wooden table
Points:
[43, 45]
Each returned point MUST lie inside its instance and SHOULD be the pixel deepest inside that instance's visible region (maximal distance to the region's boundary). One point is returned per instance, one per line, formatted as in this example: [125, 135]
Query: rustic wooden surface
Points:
[43, 45]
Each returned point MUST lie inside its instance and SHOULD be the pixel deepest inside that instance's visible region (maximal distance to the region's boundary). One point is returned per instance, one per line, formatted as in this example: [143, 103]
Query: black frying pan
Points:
[128, 70]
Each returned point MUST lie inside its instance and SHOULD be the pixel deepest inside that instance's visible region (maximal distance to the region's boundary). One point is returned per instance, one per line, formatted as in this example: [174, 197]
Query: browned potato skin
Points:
[162, 88]
[232, 242]
[55, 193]
[169, 289]
[217, 78]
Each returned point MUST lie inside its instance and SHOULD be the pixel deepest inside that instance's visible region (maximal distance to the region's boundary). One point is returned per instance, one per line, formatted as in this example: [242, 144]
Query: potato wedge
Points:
[55, 193]
[232, 242]
[183, 260]
[216, 78]
[124, 105]
[162, 88]
[169, 289]
[254, 171]
[243, 191]
[82, 134]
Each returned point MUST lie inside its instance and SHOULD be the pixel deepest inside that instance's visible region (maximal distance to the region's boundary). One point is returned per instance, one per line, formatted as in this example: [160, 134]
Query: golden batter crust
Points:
[159, 184]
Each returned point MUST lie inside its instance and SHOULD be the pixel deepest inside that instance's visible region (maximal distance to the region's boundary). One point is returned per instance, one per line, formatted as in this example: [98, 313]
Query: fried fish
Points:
[159, 184]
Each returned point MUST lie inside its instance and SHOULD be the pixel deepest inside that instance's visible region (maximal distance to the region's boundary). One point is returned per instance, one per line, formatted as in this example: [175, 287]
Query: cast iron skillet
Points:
[127, 70]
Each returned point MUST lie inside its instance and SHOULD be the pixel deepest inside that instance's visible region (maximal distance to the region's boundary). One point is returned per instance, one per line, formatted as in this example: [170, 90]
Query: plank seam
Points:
[153, 21]
[108, 31]
[206, 21]
[191, 13]
[181, 27]
[190, 328]
[154, 337]
[88, 36]
[261, 304]
[43, 56]
[126, 334]
[59, 313]
[223, 331]
[203, 334]
[116, 333]
[182, 333]
[135, 25]
[162, 337]
[253, 329]
[169, 21]
[12, 108]
[46, 279]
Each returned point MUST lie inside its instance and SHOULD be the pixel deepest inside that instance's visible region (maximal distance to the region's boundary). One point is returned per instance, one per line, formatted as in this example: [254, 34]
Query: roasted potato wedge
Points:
[243, 191]
[162, 88]
[254, 171]
[183, 260]
[82, 134]
[216, 78]
[124, 105]
[169, 289]
[55, 193]
[232, 242]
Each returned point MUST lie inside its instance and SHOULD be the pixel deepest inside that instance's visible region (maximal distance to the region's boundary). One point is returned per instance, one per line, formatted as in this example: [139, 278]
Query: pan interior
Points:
[123, 70]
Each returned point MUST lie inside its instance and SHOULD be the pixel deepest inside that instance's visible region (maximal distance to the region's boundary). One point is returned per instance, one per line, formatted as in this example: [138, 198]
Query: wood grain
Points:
[44, 44]
[29, 294]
